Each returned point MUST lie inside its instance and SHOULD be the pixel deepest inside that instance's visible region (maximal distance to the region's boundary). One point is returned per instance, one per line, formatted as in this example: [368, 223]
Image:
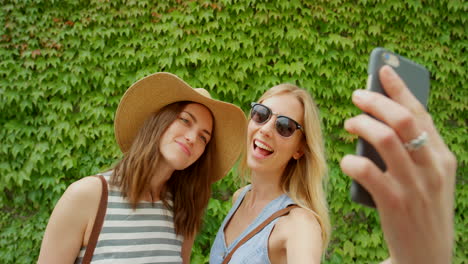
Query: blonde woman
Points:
[285, 162]
[414, 196]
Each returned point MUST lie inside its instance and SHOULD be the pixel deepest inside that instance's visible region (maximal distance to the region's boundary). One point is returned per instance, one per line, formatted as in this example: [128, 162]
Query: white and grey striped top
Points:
[145, 235]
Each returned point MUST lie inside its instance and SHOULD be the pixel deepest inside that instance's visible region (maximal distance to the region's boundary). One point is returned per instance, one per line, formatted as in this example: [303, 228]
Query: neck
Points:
[265, 187]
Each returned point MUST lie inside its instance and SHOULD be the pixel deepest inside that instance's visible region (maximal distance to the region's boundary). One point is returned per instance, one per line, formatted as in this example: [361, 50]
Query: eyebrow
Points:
[196, 121]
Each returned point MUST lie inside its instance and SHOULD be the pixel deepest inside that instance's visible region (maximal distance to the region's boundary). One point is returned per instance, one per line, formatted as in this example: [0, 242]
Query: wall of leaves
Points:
[65, 64]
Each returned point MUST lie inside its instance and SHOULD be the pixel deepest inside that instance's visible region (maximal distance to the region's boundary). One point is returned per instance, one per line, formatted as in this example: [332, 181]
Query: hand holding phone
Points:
[416, 78]
[414, 194]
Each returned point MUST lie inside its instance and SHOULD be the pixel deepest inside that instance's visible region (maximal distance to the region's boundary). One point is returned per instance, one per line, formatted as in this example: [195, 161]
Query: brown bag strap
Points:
[98, 222]
[257, 229]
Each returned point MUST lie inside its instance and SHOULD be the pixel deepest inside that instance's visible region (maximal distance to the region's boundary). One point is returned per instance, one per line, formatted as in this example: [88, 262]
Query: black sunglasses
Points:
[285, 126]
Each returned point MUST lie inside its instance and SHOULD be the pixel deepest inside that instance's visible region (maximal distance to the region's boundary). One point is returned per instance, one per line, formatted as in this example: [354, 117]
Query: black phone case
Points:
[416, 78]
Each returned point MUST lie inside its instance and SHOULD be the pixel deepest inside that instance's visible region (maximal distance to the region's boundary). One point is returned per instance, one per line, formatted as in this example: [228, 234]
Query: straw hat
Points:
[155, 91]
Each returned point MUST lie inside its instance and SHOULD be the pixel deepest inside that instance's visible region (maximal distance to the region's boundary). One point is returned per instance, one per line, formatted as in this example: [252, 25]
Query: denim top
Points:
[255, 250]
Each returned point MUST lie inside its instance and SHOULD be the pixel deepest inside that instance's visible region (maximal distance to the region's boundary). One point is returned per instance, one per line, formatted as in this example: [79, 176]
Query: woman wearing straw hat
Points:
[176, 141]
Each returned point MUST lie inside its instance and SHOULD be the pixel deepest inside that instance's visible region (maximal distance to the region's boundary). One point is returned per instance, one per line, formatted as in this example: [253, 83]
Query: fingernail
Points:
[390, 72]
[347, 160]
[346, 124]
[359, 95]
[347, 157]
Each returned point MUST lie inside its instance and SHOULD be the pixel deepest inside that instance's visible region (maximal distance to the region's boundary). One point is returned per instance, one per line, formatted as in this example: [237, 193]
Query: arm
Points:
[71, 222]
[415, 196]
[187, 248]
[304, 237]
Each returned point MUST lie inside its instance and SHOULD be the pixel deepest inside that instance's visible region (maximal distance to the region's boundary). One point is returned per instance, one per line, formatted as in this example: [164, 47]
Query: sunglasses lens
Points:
[259, 114]
[285, 126]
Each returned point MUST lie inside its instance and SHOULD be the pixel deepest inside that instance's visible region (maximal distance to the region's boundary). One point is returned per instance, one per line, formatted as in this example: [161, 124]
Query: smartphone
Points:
[416, 78]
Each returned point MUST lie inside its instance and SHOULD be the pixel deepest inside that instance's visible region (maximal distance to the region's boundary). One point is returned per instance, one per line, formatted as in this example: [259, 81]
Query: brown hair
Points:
[189, 189]
[304, 179]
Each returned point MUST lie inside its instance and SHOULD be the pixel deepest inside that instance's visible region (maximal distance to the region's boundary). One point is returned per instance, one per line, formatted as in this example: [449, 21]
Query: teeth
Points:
[263, 146]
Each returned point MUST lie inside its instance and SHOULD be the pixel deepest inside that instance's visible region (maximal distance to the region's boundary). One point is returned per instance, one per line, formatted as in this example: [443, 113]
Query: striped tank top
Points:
[144, 235]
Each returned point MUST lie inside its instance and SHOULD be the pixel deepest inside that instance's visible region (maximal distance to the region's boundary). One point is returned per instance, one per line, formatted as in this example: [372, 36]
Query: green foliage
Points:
[65, 64]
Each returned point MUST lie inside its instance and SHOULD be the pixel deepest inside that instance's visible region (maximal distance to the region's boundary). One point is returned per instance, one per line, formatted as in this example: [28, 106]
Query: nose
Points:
[190, 137]
[268, 127]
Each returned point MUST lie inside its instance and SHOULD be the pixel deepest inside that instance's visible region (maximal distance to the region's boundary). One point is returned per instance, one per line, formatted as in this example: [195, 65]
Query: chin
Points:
[179, 166]
[176, 163]
[253, 165]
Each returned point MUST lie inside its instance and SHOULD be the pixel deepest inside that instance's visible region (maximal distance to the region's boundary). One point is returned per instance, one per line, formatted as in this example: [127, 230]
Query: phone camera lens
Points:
[386, 56]
[390, 59]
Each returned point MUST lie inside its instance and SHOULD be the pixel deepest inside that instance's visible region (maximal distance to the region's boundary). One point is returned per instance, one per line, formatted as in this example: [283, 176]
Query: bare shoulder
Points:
[71, 221]
[303, 215]
[299, 235]
[82, 197]
[80, 203]
[85, 190]
[300, 219]
[302, 235]
[236, 194]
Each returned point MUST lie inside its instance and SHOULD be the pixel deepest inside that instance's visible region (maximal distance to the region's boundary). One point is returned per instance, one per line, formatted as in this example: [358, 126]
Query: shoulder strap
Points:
[98, 222]
[257, 229]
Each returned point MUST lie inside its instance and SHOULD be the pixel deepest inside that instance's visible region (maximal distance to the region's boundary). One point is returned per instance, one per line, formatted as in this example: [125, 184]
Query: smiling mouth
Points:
[262, 148]
[184, 148]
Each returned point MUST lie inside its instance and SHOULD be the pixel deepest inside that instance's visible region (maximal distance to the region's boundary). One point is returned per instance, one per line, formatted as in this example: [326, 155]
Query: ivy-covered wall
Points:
[64, 65]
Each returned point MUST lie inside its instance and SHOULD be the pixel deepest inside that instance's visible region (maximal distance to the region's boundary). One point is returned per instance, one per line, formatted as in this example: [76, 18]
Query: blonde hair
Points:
[304, 179]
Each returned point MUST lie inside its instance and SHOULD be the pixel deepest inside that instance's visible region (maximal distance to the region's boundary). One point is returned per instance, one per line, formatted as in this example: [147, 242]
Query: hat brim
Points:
[150, 94]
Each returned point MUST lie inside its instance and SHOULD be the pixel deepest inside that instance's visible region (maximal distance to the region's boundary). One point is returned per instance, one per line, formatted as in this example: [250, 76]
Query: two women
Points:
[285, 163]
[176, 141]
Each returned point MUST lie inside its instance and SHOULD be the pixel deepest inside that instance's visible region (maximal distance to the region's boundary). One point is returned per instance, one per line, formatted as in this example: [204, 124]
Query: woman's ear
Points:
[298, 154]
